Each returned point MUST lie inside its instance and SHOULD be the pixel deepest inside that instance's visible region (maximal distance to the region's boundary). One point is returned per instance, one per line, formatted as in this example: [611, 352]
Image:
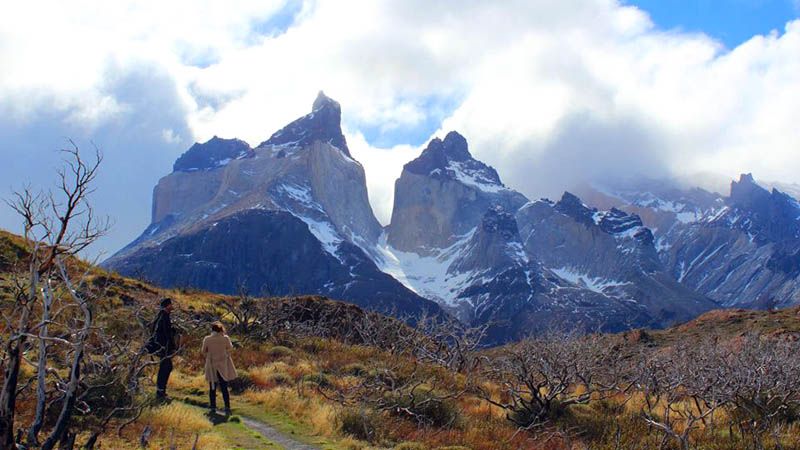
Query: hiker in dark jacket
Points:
[164, 335]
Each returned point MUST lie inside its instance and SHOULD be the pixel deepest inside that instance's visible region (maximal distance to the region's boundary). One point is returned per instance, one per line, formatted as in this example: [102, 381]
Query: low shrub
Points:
[359, 424]
[427, 409]
[313, 345]
[279, 379]
[241, 383]
[355, 369]
[319, 379]
[279, 351]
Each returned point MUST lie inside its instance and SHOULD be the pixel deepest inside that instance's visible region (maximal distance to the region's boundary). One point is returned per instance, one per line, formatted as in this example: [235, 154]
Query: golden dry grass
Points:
[183, 381]
[177, 416]
[309, 408]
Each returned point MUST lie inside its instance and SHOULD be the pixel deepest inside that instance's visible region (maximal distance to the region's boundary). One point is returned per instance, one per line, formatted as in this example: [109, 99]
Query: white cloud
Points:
[550, 93]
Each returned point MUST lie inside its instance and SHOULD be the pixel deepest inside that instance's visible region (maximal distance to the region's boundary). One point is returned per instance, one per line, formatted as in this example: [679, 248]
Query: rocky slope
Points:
[291, 216]
[741, 250]
[609, 252]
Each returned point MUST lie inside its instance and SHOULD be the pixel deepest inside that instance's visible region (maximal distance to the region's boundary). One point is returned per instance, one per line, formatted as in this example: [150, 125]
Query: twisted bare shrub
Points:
[543, 377]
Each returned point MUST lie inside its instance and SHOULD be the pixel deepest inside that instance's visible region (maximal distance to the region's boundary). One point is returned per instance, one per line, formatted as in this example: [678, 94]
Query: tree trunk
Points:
[62, 424]
[41, 370]
[71, 393]
[8, 396]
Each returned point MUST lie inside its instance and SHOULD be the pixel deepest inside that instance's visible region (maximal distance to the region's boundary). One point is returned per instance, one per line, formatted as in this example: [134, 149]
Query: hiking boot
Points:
[228, 411]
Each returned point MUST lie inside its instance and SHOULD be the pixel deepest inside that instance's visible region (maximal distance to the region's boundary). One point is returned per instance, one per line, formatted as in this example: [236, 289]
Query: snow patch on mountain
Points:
[596, 284]
[427, 276]
[475, 178]
[319, 226]
[325, 233]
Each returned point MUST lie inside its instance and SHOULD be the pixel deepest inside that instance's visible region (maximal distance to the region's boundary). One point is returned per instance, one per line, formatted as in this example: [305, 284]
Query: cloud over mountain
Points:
[547, 93]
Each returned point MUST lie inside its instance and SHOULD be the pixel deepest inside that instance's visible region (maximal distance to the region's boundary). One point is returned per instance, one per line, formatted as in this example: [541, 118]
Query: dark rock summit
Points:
[322, 124]
[765, 216]
[212, 154]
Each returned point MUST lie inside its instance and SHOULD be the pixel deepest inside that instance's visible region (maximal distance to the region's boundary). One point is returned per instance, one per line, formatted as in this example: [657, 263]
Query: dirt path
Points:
[276, 436]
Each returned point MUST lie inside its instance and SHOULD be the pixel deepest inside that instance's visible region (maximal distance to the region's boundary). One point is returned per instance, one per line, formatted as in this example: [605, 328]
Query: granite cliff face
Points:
[442, 195]
[305, 173]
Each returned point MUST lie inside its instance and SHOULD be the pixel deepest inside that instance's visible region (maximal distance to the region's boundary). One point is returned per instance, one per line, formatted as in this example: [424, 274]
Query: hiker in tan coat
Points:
[219, 368]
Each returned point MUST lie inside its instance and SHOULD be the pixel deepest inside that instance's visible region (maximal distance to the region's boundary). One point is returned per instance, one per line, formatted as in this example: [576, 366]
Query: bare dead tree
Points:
[449, 343]
[53, 312]
[681, 388]
[243, 311]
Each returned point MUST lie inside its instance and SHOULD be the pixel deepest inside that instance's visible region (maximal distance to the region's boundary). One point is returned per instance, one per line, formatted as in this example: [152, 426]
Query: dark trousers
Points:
[164, 369]
[212, 393]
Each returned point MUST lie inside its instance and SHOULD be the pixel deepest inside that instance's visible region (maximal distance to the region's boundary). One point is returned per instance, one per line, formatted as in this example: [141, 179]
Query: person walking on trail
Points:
[219, 369]
[165, 347]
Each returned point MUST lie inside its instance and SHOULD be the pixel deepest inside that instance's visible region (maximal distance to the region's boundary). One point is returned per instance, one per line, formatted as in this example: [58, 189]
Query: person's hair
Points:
[165, 302]
[218, 327]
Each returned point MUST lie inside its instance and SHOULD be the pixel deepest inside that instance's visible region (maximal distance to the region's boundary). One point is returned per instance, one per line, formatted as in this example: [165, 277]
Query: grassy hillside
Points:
[329, 374]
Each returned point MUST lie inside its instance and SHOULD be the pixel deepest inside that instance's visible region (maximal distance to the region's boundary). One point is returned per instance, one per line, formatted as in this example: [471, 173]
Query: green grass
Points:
[237, 434]
[241, 437]
[278, 420]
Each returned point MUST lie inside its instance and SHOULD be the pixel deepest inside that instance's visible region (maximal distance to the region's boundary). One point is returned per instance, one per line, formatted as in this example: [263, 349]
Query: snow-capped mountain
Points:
[290, 216]
[742, 250]
[462, 238]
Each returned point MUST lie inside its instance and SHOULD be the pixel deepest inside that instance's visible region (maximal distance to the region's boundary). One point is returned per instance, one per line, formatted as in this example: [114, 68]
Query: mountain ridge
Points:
[459, 240]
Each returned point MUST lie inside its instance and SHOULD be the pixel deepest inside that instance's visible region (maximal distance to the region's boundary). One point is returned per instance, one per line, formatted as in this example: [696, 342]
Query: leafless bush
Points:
[754, 378]
[540, 378]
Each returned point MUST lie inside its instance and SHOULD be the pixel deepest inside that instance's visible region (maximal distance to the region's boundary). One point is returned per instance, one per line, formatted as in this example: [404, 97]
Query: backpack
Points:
[152, 346]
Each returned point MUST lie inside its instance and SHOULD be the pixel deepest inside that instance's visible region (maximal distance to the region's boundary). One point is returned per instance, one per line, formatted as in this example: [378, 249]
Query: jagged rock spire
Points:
[322, 124]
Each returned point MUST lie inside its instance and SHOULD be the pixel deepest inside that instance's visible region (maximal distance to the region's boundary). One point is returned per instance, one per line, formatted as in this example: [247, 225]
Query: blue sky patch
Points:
[435, 108]
[280, 22]
[730, 21]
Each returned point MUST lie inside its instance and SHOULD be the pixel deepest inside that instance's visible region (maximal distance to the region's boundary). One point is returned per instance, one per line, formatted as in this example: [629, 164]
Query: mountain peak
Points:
[572, 206]
[323, 124]
[216, 152]
[450, 158]
[746, 193]
[455, 147]
[747, 178]
[323, 101]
